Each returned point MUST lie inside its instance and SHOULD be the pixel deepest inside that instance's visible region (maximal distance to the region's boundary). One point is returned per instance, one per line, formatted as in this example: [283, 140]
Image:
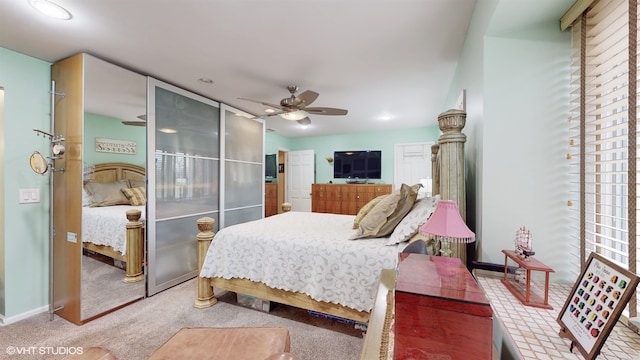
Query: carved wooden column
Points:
[452, 166]
[135, 247]
[204, 237]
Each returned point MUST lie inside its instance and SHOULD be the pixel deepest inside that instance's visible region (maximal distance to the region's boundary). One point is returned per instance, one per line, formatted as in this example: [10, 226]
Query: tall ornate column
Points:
[452, 166]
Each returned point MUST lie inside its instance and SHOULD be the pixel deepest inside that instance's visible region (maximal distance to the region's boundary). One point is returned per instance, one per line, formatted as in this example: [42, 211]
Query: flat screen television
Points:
[270, 168]
[362, 164]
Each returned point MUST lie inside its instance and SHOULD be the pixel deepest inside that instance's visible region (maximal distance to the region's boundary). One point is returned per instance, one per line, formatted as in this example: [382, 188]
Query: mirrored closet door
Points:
[114, 158]
[105, 158]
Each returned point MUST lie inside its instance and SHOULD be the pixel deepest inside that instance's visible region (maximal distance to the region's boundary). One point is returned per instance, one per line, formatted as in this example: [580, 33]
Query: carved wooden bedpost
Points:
[205, 236]
[135, 247]
[452, 166]
[435, 170]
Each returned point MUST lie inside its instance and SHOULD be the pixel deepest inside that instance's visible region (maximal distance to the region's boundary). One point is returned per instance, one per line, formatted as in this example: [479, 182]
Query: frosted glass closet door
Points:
[183, 131]
[243, 195]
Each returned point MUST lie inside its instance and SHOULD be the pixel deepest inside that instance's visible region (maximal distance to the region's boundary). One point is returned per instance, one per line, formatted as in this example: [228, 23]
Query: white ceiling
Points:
[376, 58]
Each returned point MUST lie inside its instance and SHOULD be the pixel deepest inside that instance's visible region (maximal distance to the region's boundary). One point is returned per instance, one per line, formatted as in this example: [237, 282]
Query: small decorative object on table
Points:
[523, 239]
[286, 207]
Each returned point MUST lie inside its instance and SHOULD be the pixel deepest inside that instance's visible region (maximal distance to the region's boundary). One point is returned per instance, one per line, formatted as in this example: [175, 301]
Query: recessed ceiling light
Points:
[269, 110]
[206, 81]
[50, 9]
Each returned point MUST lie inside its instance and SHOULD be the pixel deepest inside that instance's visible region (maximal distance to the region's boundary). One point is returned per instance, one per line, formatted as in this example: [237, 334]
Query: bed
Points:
[111, 225]
[224, 260]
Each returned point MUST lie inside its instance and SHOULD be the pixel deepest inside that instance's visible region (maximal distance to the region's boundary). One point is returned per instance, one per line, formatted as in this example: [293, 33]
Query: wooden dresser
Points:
[439, 312]
[270, 199]
[344, 198]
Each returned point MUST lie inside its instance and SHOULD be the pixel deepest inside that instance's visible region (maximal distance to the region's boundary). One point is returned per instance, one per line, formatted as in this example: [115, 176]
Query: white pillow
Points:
[409, 225]
[86, 199]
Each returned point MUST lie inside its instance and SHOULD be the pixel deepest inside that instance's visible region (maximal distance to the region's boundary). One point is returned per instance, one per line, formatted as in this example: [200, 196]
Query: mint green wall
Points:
[324, 146]
[274, 142]
[110, 128]
[25, 266]
[517, 76]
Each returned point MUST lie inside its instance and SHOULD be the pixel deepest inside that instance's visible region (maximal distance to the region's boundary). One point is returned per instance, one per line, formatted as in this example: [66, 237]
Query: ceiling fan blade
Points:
[275, 106]
[326, 111]
[306, 98]
[135, 123]
[305, 121]
[276, 113]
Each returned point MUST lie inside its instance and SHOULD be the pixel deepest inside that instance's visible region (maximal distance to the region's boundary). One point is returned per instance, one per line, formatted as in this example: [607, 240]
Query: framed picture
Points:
[595, 303]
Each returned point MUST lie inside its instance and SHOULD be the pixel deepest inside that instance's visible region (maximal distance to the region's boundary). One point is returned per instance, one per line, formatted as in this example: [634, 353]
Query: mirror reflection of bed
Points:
[112, 237]
[113, 98]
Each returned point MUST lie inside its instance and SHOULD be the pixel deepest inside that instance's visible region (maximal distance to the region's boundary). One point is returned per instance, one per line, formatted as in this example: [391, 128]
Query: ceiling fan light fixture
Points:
[50, 9]
[304, 122]
[295, 115]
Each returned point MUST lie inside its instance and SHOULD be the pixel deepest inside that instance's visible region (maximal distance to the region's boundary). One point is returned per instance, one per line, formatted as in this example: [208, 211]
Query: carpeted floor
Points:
[135, 331]
[102, 287]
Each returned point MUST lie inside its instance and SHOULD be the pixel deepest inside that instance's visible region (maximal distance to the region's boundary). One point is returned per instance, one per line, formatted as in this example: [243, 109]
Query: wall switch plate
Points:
[28, 196]
[72, 237]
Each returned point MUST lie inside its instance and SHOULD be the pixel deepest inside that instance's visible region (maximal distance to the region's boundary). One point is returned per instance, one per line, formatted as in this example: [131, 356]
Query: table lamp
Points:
[447, 226]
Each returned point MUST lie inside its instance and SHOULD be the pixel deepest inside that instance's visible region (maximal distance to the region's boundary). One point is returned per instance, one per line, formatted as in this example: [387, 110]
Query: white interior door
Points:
[301, 170]
[412, 163]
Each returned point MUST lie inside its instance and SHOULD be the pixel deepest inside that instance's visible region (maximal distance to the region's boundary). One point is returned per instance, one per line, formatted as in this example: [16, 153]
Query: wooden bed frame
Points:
[448, 181]
[134, 257]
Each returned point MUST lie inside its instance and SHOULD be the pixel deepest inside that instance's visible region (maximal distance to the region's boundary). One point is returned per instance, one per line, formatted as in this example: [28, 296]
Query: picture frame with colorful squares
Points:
[595, 303]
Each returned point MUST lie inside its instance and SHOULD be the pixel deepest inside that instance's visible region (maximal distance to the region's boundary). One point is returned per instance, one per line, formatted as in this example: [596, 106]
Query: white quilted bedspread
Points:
[107, 225]
[303, 252]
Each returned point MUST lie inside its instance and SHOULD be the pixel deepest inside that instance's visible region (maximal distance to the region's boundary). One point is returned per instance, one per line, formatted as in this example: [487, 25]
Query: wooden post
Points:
[452, 174]
[205, 236]
[135, 247]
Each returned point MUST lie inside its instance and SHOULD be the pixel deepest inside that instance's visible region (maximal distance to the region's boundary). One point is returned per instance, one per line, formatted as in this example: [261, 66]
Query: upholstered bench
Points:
[226, 343]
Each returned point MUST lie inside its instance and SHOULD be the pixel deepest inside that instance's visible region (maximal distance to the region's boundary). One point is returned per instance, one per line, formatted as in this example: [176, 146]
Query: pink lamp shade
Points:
[445, 223]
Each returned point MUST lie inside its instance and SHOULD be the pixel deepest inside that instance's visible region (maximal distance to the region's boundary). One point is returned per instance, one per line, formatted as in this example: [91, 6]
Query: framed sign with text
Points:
[595, 303]
[116, 146]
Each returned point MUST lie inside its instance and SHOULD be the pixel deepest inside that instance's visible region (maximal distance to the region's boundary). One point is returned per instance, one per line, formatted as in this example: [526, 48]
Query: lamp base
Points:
[445, 249]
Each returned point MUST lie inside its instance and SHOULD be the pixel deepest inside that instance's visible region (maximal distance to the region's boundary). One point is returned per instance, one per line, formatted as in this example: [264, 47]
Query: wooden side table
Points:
[529, 264]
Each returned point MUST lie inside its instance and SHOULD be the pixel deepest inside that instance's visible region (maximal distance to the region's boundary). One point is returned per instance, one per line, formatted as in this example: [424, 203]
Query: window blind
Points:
[603, 135]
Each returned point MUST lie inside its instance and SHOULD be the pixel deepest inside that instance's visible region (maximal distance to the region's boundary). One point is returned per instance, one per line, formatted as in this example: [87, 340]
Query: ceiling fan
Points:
[295, 108]
[141, 122]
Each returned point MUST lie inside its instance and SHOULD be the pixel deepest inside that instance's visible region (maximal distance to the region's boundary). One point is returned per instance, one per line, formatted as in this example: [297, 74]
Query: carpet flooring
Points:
[135, 331]
[102, 287]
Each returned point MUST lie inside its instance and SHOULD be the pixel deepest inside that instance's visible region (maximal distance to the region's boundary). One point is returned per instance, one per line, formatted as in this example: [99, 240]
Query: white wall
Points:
[516, 76]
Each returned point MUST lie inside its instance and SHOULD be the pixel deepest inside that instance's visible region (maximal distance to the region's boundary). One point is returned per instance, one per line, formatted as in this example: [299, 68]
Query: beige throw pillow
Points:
[107, 194]
[365, 210]
[384, 216]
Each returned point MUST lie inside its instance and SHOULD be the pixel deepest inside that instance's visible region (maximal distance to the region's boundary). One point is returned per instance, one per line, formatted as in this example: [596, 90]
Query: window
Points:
[603, 135]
